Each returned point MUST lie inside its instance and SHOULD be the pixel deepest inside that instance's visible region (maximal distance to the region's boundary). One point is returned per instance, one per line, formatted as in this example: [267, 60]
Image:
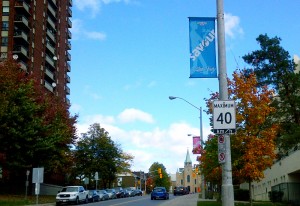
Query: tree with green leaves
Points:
[274, 67]
[36, 128]
[159, 176]
[97, 152]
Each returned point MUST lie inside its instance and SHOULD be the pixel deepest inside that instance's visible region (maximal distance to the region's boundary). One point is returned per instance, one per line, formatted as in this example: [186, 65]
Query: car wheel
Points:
[57, 204]
[87, 200]
[77, 201]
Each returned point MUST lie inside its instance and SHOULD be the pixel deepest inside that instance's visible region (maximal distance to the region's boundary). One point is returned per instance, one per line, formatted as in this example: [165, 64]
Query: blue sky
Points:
[129, 56]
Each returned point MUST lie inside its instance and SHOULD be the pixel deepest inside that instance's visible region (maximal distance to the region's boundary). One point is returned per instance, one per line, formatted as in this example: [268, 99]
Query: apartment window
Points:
[5, 26]
[5, 10]
[4, 41]
[188, 178]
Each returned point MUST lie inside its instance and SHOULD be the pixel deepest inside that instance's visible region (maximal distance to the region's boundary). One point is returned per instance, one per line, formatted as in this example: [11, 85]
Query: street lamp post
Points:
[201, 137]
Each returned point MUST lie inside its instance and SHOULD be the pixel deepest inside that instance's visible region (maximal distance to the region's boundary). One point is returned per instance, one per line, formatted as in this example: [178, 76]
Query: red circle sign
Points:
[221, 156]
[221, 139]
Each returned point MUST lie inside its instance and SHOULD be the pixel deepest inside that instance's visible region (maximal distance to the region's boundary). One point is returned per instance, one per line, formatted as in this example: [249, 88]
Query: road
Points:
[135, 201]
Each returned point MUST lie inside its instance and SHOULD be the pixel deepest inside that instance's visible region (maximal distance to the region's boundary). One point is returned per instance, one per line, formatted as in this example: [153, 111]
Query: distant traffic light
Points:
[159, 170]
[160, 175]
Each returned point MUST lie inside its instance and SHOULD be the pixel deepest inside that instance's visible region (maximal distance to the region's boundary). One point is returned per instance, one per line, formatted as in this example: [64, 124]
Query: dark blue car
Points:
[159, 193]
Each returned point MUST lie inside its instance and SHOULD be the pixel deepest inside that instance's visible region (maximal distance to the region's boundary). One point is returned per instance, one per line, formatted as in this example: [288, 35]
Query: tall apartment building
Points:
[36, 34]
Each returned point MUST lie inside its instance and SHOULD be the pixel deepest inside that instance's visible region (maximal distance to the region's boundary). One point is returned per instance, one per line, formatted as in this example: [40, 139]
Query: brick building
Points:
[36, 34]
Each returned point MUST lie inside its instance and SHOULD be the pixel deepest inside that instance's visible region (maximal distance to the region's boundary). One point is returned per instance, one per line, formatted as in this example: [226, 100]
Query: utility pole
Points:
[227, 187]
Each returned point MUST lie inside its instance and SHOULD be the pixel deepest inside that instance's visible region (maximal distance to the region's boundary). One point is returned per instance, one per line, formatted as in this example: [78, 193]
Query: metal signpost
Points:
[37, 178]
[227, 187]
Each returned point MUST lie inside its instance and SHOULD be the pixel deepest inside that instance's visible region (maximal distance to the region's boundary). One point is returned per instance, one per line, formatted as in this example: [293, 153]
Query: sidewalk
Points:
[185, 200]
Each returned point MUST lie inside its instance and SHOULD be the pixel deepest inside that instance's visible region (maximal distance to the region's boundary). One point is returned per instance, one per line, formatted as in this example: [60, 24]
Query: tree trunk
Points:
[250, 194]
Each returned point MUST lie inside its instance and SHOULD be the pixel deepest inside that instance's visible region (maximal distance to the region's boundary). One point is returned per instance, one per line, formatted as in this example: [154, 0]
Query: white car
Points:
[72, 194]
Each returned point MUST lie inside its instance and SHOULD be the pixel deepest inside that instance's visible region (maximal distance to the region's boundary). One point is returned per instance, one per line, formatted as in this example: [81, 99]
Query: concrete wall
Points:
[286, 170]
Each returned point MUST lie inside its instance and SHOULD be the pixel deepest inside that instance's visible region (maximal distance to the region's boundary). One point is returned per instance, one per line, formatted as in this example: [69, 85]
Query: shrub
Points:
[241, 195]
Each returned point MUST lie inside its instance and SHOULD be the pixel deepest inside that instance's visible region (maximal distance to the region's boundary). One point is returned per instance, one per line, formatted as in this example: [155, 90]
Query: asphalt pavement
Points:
[185, 200]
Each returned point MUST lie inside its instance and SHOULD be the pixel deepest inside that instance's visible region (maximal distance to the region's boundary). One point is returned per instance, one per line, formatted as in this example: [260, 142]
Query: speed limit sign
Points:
[224, 117]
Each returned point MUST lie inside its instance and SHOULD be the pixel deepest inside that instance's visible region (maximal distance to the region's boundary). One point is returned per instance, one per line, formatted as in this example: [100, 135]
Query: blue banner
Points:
[202, 47]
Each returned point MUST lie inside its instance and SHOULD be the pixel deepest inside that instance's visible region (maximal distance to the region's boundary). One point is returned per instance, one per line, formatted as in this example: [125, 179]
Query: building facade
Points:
[188, 176]
[35, 33]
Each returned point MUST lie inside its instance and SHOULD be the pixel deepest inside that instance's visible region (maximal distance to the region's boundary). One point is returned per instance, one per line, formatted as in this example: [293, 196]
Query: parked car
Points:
[119, 192]
[126, 192]
[131, 191]
[103, 195]
[72, 194]
[93, 196]
[111, 193]
[138, 192]
[159, 193]
[180, 190]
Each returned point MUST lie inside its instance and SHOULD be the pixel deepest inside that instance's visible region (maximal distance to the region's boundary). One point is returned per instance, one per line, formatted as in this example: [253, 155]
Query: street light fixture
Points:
[201, 137]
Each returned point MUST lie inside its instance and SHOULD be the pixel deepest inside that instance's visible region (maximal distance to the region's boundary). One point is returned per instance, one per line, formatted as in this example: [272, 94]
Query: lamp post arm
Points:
[189, 103]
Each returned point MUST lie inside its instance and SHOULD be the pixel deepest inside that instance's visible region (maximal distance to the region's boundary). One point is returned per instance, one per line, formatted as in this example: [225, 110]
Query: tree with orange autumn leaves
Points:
[253, 145]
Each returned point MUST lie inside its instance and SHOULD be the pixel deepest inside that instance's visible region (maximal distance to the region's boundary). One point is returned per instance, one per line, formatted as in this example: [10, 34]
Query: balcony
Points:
[69, 34]
[50, 61]
[67, 100]
[68, 79]
[69, 12]
[51, 23]
[51, 35]
[49, 74]
[22, 65]
[52, 11]
[22, 36]
[22, 7]
[68, 67]
[69, 45]
[21, 51]
[21, 21]
[48, 86]
[69, 23]
[70, 3]
[68, 56]
[67, 89]
[50, 48]
[53, 2]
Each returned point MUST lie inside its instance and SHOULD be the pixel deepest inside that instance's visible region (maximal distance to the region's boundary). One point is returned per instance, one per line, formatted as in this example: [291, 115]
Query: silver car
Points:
[103, 195]
[111, 193]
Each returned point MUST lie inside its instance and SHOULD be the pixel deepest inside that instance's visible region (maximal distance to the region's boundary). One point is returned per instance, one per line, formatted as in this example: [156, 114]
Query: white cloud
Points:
[151, 84]
[95, 35]
[232, 25]
[93, 5]
[75, 108]
[131, 115]
[167, 146]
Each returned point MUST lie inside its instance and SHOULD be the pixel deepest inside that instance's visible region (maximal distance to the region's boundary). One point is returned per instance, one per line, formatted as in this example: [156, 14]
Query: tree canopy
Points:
[97, 152]
[154, 180]
[274, 67]
[253, 145]
[36, 128]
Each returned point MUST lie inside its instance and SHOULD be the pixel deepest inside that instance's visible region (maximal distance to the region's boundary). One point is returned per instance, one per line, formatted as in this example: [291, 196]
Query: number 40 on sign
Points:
[224, 116]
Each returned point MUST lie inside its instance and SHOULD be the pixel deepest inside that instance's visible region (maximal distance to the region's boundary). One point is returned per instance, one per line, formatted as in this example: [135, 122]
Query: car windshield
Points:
[159, 190]
[108, 190]
[69, 189]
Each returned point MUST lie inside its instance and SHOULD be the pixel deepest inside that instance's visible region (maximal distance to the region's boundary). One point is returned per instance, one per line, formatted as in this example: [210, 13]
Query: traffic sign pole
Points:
[227, 187]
